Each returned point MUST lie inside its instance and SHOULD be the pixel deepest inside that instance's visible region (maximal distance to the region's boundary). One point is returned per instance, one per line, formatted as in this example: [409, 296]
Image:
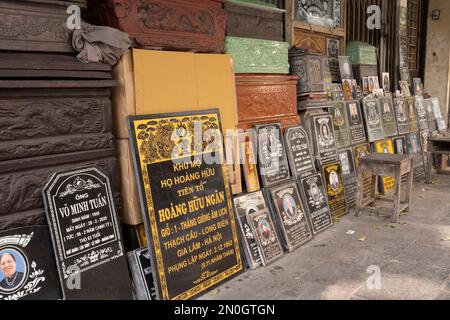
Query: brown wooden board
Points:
[249, 160]
[355, 121]
[373, 120]
[340, 125]
[386, 147]
[315, 202]
[388, 116]
[334, 186]
[186, 199]
[359, 152]
[289, 215]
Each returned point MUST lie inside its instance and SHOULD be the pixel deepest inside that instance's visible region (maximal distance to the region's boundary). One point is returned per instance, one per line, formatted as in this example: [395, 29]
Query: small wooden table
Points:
[440, 147]
[386, 165]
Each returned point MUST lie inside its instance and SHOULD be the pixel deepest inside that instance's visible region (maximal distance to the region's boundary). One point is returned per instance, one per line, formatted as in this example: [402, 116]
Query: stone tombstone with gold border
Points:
[361, 151]
[324, 138]
[334, 186]
[355, 122]
[266, 236]
[247, 144]
[388, 116]
[401, 112]
[290, 215]
[372, 115]
[298, 151]
[273, 164]
[186, 200]
[386, 146]
[316, 202]
[340, 125]
[349, 175]
[412, 114]
[247, 204]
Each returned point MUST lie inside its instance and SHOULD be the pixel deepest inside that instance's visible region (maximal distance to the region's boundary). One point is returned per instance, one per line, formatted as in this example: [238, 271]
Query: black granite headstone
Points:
[421, 114]
[246, 204]
[86, 236]
[414, 148]
[372, 117]
[298, 151]
[349, 176]
[290, 215]
[388, 116]
[142, 274]
[28, 266]
[340, 125]
[273, 164]
[316, 204]
[355, 122]
[401, 111]
[324, 138]
[400, 145]
[266, 236]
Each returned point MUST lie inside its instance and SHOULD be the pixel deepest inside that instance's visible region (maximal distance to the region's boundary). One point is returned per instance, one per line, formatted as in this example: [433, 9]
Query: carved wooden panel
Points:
[265, 99]
[165, 24]
[250, 22]
[314, 43]
[21, 185]
[34, 26]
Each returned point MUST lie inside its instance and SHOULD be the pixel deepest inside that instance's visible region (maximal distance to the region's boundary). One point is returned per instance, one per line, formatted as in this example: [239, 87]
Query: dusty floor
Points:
[413, 258]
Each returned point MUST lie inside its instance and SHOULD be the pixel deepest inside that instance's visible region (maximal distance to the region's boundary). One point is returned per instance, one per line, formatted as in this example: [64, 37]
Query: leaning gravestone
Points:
[316, 203]
[415, 148]
[355, 122]
[421, 113]
[340, 125]
[290, 215]
[349, 176]
[401, 111]
[186, 201]
[141, 272]
[86, 237]
[30, 267]
[334, 186]
[388, 116]
[299, 152]
[324, 138]
[372, 116]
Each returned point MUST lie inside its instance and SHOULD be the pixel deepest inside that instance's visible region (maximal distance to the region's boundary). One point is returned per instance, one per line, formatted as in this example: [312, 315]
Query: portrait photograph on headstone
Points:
[334, 186]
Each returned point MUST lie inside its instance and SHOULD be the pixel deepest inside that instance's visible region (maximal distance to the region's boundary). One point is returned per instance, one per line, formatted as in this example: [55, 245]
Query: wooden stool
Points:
[437, 147]
[386, 165]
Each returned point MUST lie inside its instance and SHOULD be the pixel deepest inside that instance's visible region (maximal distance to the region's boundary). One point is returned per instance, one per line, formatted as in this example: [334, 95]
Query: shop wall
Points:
[437, 70]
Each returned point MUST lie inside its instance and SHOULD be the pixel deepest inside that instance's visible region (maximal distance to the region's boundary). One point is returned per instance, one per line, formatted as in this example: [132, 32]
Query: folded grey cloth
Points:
[100, 44]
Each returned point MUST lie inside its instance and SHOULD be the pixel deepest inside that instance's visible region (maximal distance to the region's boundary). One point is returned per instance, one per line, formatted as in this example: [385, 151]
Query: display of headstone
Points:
[421, 114]
[298, 150]
[347, 89]
[414, 148]
[334, 186]
[388, 116]
[316, 204]
[418, 87]
[387, 147]
[338, 92]
[400, 145]
[355, 122]
[424, 136]
[246, 204]
[86, 234]
[266, 236]
[273, 164]
[431, 118]
[372, 115]
[401, 112]
[412, 114]
[340, 125]
[290, 215]
[440, 122]
[349, 176]
[186, 201]
[386, 82]
[359, 152]
[324, 138]
[247, 142]
[28, 266]
[346, 67]
[142, 274]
